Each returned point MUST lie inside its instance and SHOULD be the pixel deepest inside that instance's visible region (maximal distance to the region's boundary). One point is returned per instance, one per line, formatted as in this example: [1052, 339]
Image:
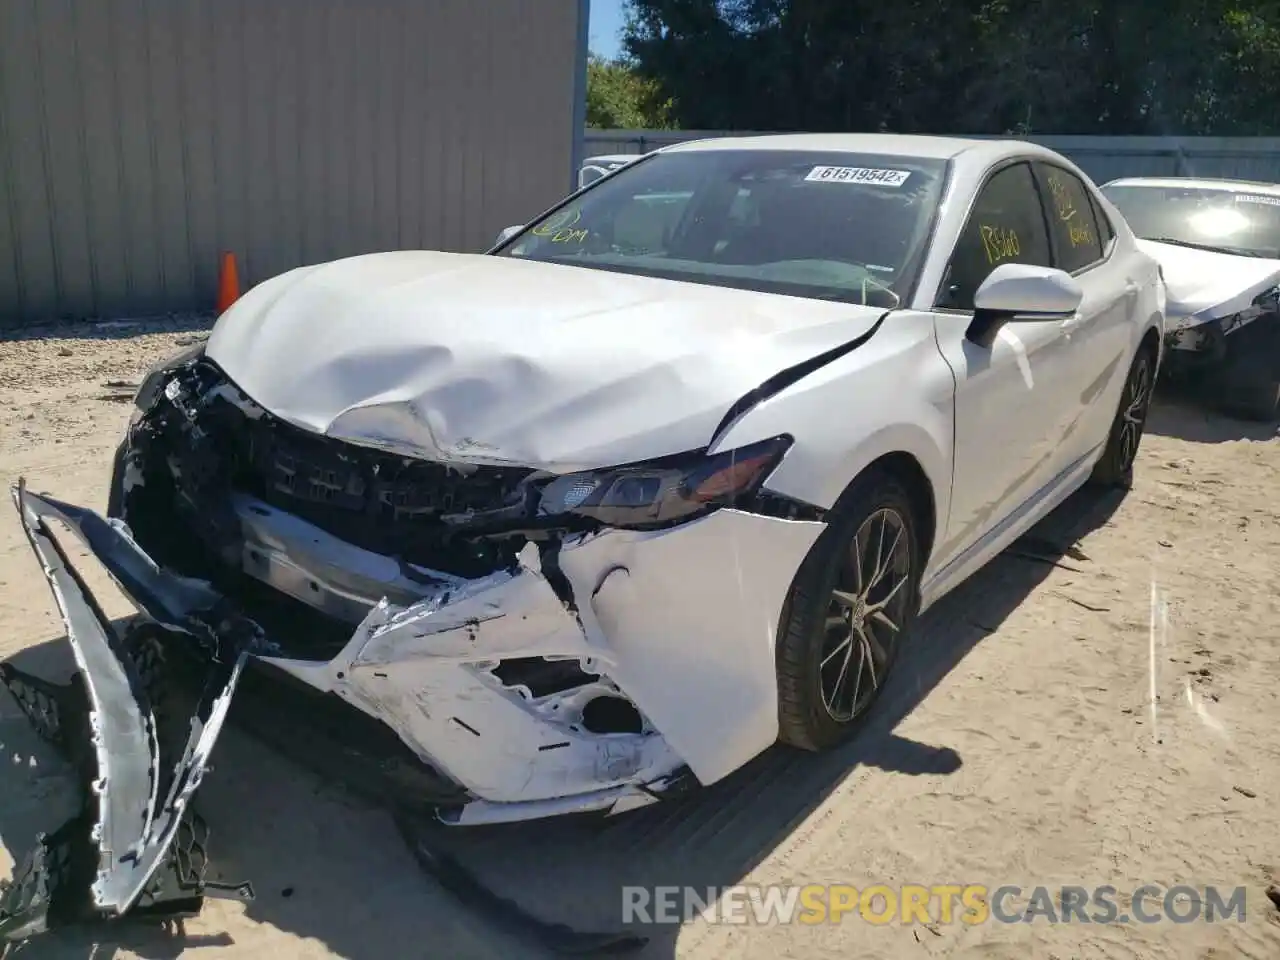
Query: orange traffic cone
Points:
[228, 283]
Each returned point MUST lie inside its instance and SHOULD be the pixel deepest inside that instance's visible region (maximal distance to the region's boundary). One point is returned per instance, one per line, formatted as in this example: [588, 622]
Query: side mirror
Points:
[507, 233]
[1021, 292]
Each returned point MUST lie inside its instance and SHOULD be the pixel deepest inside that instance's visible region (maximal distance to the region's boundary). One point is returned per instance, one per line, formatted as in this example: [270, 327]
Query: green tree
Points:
[620, 98]
[1190, 67]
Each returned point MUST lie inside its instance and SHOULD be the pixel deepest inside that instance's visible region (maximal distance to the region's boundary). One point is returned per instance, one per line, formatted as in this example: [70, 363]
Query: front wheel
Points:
[849, 611]
[1115, 466]
[1250, 376]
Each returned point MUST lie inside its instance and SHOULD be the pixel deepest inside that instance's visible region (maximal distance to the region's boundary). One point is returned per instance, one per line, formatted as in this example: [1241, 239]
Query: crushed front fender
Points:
[139, 751]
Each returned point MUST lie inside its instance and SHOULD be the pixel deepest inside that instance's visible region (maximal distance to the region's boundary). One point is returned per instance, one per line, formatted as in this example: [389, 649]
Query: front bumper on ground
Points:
[679, 623]
[136, 844]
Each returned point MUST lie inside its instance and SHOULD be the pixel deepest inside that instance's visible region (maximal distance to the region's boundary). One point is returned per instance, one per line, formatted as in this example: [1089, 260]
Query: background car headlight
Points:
[154, 379]
[666, 491]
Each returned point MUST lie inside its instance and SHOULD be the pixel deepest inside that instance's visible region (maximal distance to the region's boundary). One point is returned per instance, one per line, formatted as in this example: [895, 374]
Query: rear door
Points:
[1083, 244]
[1009, 396]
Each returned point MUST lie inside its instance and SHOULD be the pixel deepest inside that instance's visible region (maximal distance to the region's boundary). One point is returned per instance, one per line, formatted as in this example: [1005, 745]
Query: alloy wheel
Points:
[866, 614]
[1133, 415]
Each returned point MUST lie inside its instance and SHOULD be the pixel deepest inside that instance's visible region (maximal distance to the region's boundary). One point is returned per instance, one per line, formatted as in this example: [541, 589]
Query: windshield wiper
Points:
[1212, 248]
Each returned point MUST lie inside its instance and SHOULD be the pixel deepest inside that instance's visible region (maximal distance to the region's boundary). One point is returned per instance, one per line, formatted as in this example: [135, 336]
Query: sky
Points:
[605, 27]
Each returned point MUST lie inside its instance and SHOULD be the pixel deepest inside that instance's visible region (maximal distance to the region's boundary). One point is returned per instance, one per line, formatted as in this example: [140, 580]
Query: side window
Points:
[1106, 232]
[1077, 240]
[1005, 226]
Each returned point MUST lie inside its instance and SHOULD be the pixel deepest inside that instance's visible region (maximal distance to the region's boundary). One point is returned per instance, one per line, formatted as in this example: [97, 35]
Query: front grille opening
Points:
[172, 538]
[383, 503]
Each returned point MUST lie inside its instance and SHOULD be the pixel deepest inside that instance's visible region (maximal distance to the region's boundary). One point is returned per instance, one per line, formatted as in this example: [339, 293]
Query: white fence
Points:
[1103, 158]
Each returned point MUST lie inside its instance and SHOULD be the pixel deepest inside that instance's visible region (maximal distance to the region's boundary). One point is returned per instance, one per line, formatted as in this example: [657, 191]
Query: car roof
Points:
[1239, 186]
[896, 144]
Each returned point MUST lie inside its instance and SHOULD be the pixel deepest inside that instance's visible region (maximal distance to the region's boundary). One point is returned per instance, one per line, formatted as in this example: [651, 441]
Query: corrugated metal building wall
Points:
[1103, 158]
[139, 138]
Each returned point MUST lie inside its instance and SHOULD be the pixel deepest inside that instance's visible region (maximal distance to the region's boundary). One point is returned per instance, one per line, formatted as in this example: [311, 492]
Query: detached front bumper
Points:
[137, 845]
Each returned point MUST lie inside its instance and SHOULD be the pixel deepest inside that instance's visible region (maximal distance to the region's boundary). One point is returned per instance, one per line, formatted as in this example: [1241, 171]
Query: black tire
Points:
[1249, 380]
[1115, 467]
[808, 717]
[1259, 401]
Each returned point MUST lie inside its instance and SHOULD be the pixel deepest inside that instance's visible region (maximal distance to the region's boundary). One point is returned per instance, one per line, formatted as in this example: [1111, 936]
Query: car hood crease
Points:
[481, 359]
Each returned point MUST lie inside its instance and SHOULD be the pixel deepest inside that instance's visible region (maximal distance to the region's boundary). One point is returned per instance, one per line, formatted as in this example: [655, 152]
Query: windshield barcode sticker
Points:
[878, 178]
[1257, 198]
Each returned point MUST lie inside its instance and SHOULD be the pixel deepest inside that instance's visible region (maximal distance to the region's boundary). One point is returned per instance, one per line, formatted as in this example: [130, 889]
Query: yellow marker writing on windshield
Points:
[556, 223]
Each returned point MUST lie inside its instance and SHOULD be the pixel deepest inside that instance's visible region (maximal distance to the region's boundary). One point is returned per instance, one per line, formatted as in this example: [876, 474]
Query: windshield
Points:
[834, 226]
[1208, 218]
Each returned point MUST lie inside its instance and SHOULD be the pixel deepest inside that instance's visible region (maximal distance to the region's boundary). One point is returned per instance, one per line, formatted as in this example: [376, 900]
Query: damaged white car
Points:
[1218, 242]
[601, 515]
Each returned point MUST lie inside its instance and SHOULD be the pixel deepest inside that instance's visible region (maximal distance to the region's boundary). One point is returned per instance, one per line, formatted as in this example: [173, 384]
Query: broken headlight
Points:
[154, 380]
[663, 492]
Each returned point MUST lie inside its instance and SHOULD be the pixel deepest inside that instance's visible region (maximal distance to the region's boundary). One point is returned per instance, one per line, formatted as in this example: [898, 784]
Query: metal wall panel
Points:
[140, 138]
[1103, 158]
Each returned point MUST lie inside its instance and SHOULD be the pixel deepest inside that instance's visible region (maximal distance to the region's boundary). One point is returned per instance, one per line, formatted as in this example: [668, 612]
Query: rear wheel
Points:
[849, 611]
[1115, 467]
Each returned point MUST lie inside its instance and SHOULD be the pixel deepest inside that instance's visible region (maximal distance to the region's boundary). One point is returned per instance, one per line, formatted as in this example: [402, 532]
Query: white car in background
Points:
[1218, 242]
[662, 479]
[593, 168]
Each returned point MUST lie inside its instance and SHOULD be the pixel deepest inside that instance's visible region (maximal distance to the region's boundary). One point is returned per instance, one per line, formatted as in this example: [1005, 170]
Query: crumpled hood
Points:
[488, 359]
[1205, 285]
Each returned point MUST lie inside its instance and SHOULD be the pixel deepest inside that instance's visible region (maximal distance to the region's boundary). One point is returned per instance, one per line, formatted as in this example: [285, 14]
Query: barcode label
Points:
[863, 175]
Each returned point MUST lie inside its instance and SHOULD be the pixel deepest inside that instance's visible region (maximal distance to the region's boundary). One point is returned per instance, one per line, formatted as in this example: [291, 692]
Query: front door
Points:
[1009, 404]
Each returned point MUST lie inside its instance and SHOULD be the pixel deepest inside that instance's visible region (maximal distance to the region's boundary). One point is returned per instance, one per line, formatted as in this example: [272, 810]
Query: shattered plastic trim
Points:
[121, 832]
[121, 722]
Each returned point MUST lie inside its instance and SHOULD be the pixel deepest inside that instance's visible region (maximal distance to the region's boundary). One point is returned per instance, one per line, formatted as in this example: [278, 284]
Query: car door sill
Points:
[1017, 522]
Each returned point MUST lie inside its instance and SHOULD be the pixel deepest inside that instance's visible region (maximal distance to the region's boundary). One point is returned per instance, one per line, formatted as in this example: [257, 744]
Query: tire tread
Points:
[797, 711]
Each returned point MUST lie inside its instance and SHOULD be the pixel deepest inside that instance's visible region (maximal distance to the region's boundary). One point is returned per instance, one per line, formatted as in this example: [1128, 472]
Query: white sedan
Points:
[1218, 243]
[664, 478]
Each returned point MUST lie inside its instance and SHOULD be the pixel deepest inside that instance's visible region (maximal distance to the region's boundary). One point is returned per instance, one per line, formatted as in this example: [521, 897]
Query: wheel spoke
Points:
[840, 647]
[868, 661]
[882, 561]
[883, 602]
[1139, 389]
[879, 616]
[857, 678]
[845, 599]
[844, 669]
[877, 570]
[875, 646]
[857, 561]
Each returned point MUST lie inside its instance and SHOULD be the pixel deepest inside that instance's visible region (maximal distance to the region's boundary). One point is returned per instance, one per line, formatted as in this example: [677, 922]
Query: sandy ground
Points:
[1019, 743]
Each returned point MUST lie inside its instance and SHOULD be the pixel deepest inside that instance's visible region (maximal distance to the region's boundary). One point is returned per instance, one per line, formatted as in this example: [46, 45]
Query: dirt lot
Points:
[1108, 718]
